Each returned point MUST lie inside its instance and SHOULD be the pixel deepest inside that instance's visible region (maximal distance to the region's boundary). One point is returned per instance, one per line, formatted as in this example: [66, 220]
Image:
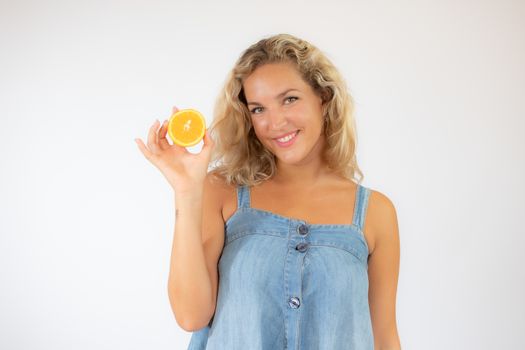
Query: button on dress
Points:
[288, 284]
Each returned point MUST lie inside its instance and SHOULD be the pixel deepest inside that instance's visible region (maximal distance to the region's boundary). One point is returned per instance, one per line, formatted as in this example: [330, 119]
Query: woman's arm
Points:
[383, 270]
[197, 245]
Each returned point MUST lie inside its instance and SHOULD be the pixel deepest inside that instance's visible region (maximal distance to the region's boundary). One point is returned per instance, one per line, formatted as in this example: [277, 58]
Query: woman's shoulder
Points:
[221, 192]
[381, 216]
[217, 183]
[380, 203]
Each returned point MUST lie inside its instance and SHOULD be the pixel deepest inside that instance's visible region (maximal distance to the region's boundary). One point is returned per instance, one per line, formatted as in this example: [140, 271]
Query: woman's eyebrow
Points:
[277, 97]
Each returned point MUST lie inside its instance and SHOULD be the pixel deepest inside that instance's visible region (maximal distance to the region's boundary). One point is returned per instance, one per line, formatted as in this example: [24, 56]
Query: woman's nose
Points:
[277, 120]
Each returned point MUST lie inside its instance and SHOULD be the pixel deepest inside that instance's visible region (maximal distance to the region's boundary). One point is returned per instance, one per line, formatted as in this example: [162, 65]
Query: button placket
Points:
[294, 302]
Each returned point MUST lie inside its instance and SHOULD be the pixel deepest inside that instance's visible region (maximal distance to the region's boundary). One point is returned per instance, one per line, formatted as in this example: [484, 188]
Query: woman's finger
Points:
[142, 147]
[163, 141]
[152, 138]
[208, 141]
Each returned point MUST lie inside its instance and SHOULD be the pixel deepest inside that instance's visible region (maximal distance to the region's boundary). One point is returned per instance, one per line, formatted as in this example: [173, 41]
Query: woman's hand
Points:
[184, 171]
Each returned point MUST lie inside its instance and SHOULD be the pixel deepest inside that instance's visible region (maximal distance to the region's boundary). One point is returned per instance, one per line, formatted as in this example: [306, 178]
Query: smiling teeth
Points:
[287, 138]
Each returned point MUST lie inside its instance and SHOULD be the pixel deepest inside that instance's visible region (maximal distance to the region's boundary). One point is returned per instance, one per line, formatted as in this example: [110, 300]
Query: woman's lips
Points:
[288, 142]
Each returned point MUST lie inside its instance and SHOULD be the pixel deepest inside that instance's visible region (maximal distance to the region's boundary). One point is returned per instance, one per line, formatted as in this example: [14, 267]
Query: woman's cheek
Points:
[259, 123]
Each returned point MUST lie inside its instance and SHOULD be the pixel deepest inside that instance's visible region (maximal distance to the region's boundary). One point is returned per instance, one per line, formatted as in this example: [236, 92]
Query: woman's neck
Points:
[302, 176]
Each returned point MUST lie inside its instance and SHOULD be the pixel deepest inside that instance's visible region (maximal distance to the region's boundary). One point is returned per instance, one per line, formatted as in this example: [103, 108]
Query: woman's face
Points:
[285, 112]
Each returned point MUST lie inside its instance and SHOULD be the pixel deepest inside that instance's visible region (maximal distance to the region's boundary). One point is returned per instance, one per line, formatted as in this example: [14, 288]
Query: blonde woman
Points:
[277, 245]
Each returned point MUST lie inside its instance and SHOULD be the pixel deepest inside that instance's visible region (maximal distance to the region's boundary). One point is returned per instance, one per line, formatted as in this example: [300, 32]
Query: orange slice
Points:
[187, 127]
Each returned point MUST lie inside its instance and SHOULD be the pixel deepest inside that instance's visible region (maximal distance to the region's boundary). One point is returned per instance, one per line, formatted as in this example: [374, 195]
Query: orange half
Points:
[187, 127]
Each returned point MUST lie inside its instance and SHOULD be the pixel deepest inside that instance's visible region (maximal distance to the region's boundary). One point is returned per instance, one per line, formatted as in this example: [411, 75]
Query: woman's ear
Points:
[326, 94]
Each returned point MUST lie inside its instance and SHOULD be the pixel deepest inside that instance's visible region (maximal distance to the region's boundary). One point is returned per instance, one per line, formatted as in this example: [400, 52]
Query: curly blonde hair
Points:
[238, 155]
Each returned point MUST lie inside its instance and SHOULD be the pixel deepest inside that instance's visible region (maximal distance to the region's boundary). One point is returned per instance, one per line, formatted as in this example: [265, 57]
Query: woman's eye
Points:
[256, 109]
[291, 99]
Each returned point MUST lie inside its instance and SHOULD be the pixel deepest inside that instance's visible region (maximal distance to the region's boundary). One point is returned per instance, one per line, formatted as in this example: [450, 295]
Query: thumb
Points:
[208, 141]
[207, 148]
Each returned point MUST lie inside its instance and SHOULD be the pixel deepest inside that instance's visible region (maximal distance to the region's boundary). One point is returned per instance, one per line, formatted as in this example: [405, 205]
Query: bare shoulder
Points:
[380, 204]
[381, 219]
[383, 270]
[221, 193]
[216, 184]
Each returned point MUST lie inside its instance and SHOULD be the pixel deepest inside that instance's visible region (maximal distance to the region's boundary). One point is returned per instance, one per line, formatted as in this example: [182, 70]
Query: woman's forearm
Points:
[189, 284]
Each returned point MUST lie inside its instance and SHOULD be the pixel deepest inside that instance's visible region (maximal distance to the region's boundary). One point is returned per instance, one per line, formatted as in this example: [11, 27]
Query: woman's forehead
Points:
[272, 80]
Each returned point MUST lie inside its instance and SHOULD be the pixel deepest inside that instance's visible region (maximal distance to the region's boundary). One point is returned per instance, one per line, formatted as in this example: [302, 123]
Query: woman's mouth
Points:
[287, 140]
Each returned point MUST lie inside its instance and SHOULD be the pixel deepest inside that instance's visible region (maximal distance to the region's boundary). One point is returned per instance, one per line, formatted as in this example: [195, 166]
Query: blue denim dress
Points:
[288, 284]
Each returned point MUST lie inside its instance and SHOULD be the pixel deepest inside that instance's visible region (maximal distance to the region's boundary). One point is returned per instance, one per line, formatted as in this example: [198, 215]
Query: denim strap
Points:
[243, 197]
[361, 203]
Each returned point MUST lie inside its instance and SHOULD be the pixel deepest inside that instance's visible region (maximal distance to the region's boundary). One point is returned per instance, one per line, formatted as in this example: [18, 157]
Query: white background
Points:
[86, 222]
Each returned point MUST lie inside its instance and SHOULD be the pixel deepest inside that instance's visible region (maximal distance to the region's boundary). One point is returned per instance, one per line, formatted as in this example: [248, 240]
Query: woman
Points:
[279, 246]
